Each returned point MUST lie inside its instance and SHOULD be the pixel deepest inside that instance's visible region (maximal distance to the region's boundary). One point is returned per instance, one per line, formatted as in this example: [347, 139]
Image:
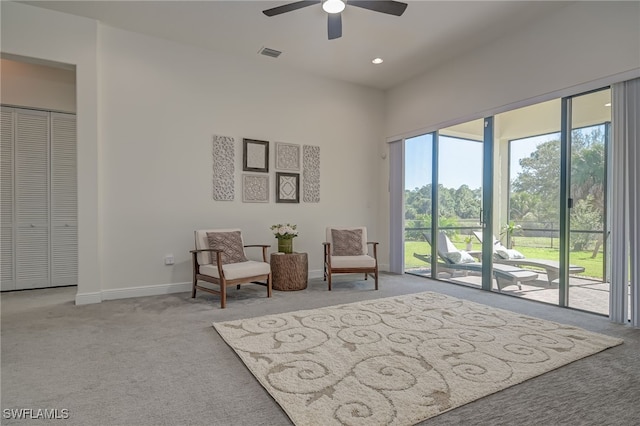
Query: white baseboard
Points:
[156, 290]
[152, 290]
[125, 293]
[88, 298]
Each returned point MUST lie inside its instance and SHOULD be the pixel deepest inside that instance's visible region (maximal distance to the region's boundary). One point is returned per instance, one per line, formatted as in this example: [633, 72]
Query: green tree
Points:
[419, 199]
[446, 202]
[587, 167]
[540, 177]
[585, 218]
[523, 206]
[536, 190]
[466, 202]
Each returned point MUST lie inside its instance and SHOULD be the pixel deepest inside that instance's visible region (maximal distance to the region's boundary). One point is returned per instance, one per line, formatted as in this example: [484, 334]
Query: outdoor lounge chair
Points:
[552, 267]
[505, 275]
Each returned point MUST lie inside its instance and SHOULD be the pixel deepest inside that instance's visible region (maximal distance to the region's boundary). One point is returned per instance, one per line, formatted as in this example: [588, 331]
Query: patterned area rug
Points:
[399, 360]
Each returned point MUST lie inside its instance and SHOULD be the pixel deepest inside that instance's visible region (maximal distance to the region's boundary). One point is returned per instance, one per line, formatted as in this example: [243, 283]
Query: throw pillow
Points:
[498, 246]
[459, 257]
[502, 253]
[231, 243]
[347, 242]
[515, 254]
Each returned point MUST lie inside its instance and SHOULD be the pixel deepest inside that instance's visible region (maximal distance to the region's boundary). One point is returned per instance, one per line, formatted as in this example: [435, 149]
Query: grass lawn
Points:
[593, 267]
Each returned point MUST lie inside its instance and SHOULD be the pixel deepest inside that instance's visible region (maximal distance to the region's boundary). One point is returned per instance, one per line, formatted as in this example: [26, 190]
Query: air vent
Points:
[270, 52]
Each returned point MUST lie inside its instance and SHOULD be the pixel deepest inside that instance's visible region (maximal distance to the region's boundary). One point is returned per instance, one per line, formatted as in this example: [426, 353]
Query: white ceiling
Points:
[429, 32]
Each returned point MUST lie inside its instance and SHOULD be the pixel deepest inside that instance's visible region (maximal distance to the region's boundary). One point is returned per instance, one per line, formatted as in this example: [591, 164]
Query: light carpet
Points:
[398, 360]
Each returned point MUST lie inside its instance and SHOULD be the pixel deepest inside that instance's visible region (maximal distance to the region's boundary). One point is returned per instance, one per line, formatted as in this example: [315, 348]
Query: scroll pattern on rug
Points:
[399, 360]
[223, 168]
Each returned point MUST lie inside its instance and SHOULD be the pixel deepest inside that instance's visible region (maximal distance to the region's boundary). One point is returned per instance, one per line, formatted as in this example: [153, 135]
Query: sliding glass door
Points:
[586, 246]
[527, 210]
[520, 195]
[418, 177]
[459, 208]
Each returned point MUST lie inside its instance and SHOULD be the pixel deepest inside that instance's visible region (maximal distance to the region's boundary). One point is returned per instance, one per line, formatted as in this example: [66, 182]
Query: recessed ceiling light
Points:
[377, 61]
[607, 104]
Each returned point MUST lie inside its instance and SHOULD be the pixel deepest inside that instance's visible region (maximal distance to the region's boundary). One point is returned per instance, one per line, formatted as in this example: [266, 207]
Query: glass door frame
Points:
[567, 202]
[486, 213]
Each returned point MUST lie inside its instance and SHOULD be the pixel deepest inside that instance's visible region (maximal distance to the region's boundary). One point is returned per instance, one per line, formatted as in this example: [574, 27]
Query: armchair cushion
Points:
[362, 261]
[231, 243]
[233, 271]
[348, 242]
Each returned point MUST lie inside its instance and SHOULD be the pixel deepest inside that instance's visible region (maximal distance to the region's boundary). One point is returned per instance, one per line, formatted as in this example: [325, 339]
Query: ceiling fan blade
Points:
[290, 7]
[389, 7]
[334, 25]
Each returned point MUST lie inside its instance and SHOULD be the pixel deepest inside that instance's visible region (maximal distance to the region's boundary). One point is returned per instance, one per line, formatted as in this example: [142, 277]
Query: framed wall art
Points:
[255, 188]
[287, 156]
[223, 168]
[287, 187]
[311, 174]
[255, 156]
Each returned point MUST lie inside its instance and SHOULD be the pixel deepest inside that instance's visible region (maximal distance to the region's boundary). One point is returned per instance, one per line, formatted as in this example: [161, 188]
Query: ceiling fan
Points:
[334, 9]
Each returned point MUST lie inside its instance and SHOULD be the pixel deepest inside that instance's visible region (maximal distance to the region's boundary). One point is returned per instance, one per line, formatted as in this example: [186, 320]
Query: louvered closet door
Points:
[7, 279]
[64, 203]
[32, 199]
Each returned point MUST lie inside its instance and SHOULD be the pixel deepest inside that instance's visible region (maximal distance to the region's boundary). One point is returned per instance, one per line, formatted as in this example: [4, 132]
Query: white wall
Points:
[161, 104]
[37, 33]
[157, 105]
[37, 86]
[580, 43]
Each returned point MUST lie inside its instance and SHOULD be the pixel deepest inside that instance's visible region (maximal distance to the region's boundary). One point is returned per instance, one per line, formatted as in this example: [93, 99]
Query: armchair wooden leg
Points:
[376, 278]
[193, 290]
[223, 295]
[269, 288]
[329, 280]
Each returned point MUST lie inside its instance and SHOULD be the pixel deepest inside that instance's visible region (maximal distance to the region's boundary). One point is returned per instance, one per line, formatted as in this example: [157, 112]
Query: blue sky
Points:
[460, 160]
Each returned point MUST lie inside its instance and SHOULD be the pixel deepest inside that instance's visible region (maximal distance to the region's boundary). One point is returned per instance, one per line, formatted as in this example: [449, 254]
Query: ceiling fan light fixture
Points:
[333, 6]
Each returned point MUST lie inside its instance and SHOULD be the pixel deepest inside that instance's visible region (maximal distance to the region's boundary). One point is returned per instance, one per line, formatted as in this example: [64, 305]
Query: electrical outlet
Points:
[168, 259]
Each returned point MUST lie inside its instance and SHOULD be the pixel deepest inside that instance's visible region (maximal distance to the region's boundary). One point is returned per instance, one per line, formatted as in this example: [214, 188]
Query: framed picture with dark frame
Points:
[288, 187]
[255, 156]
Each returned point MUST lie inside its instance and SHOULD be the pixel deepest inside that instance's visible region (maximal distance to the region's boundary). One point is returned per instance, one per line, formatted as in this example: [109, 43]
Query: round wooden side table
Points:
[289, 272]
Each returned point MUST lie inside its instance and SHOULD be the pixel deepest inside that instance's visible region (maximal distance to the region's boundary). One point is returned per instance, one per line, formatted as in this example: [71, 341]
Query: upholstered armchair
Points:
[220, 259]
[346, 251]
